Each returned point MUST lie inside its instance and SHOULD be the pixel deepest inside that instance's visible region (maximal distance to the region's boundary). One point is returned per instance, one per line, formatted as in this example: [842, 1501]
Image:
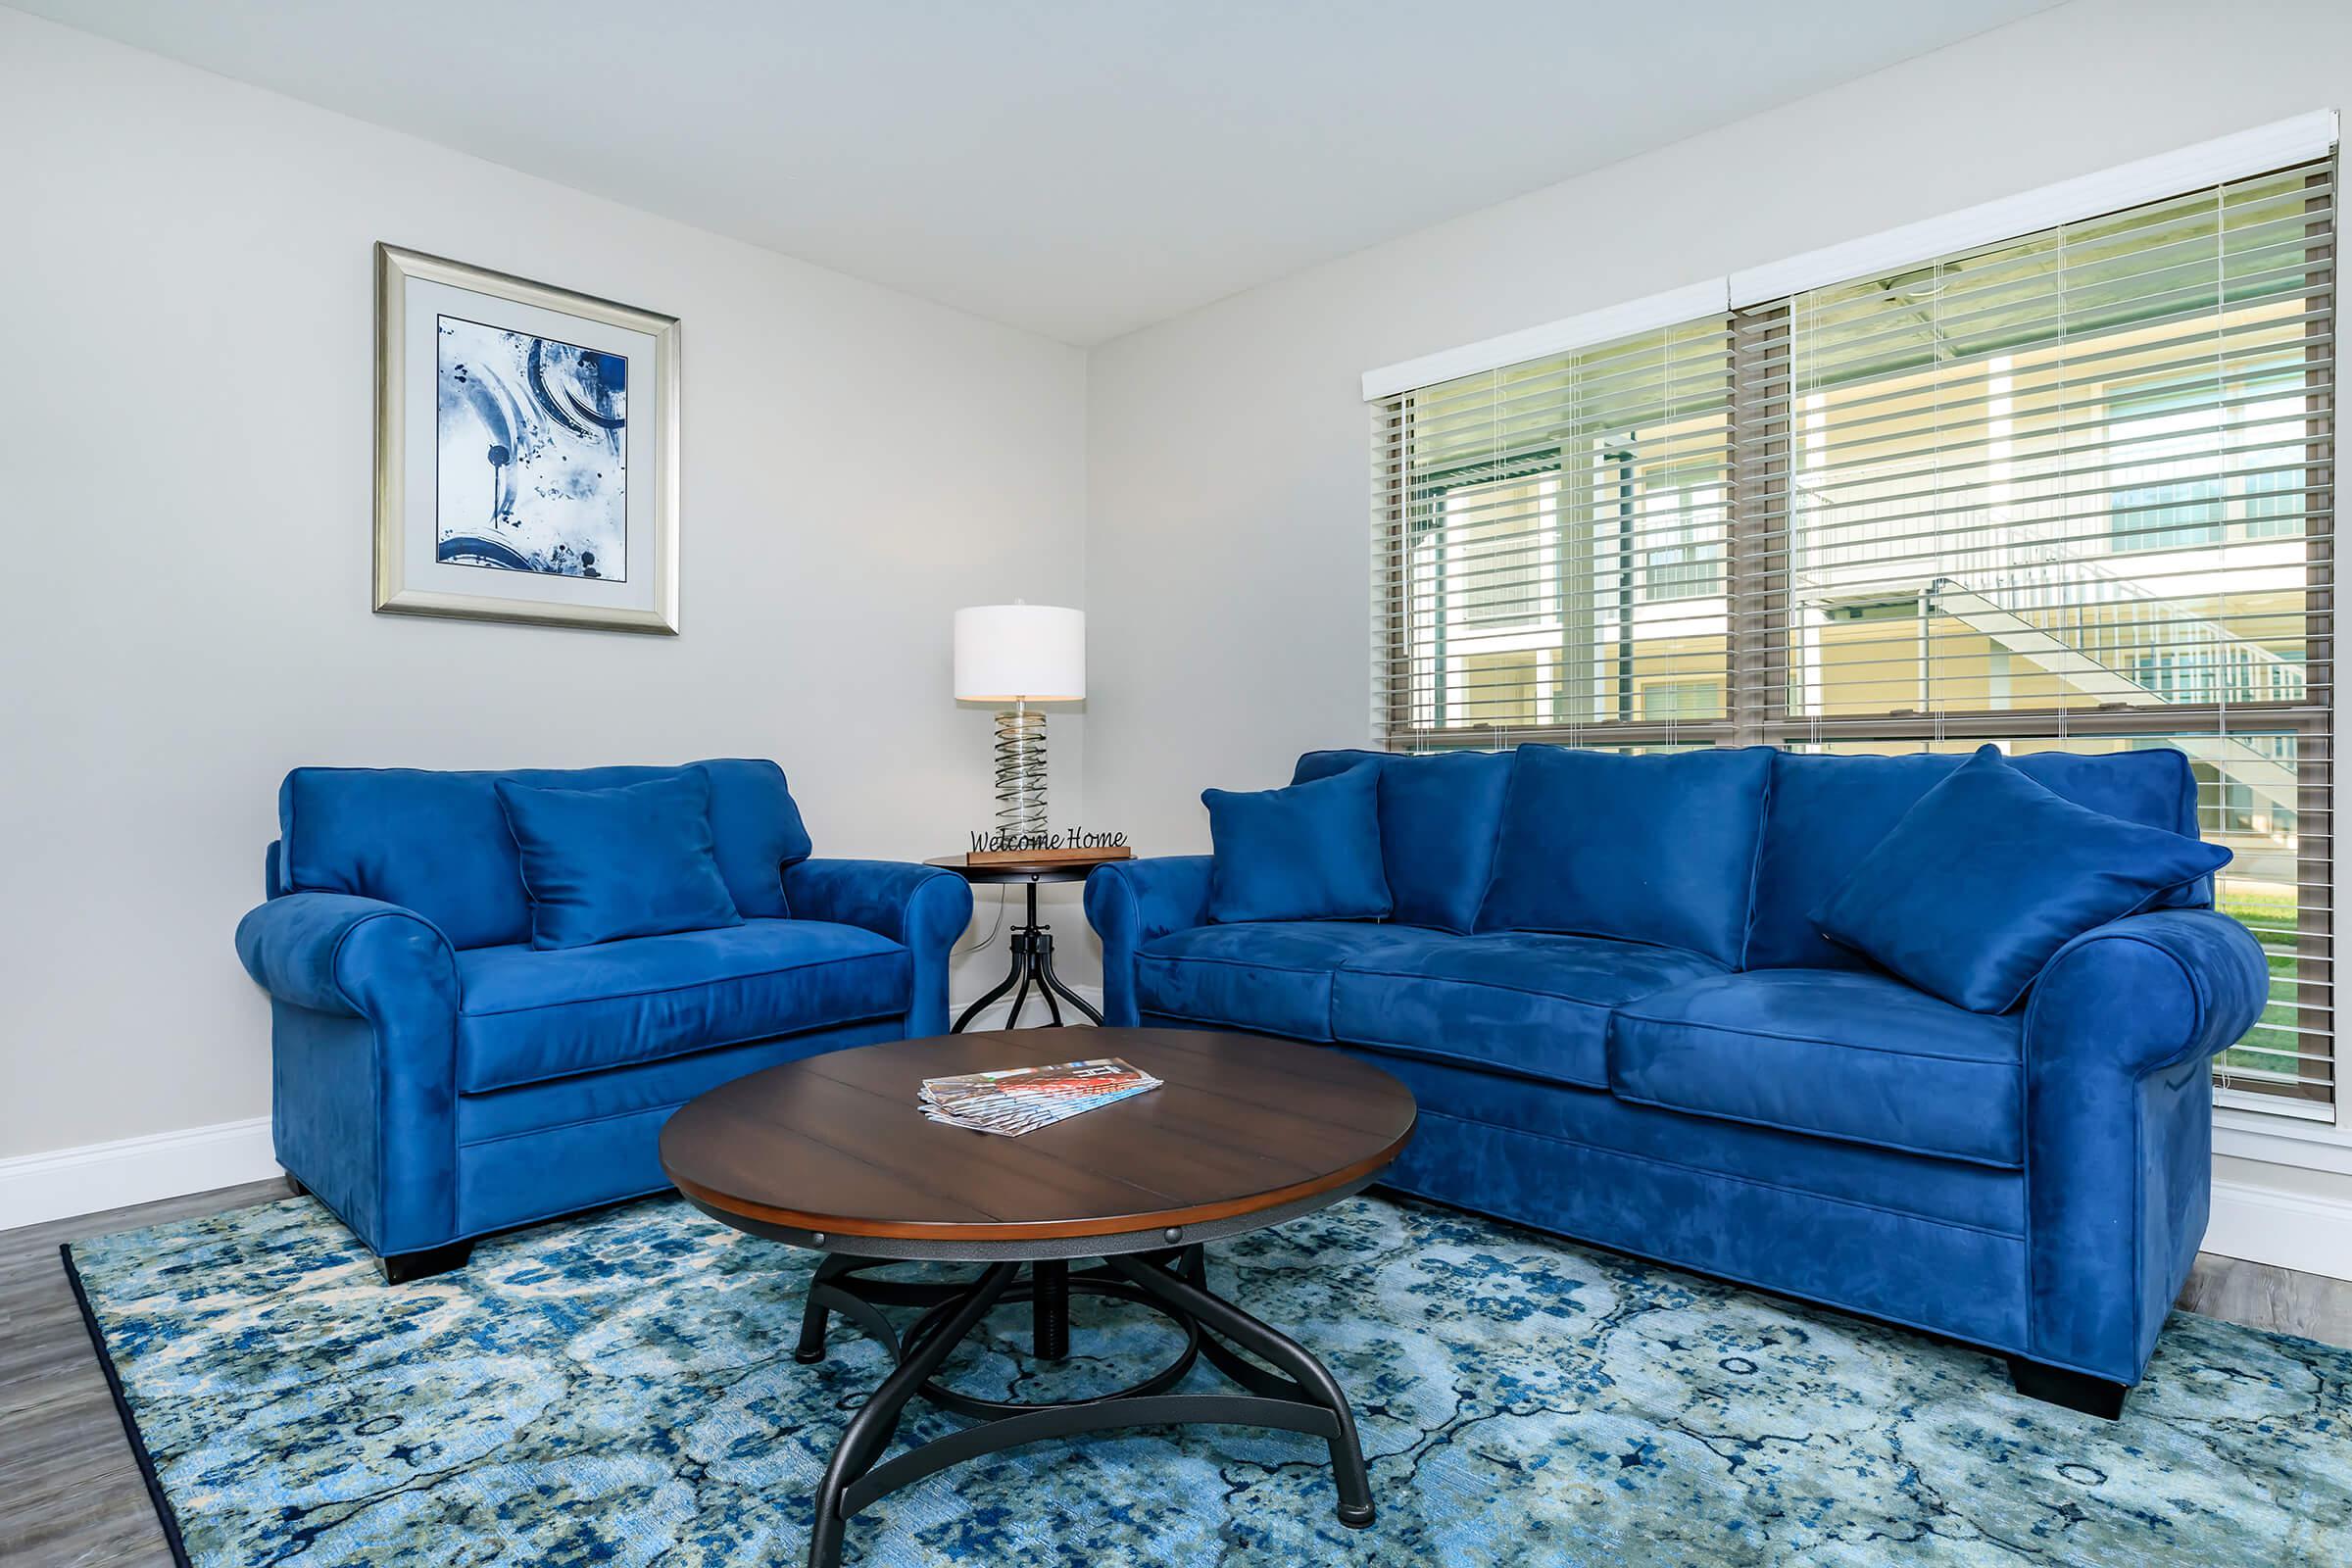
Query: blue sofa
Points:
[436, 1078]
[1777, 1113]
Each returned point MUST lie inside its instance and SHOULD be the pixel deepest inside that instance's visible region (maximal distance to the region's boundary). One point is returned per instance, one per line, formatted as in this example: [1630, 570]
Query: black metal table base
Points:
[1031, 959]
[1297, 1396]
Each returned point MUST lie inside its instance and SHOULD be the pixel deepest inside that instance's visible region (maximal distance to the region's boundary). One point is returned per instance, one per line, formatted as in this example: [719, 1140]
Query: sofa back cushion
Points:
[1438, 816]
[1828, 812]
[438, 843]
[1659, 849]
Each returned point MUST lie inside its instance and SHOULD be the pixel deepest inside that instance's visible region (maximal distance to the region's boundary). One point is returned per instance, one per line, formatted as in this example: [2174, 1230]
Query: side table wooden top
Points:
[1059, 869]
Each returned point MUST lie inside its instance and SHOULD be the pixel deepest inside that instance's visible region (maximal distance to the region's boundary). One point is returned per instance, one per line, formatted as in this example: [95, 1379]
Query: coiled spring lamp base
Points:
[1021, 773]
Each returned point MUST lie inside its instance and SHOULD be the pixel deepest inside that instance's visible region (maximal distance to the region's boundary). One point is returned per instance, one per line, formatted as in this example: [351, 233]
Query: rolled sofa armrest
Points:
[354, 958]
[924, 907]
[363, 1053]
[2149, 991]
[2119, 1126]
[1128, 902]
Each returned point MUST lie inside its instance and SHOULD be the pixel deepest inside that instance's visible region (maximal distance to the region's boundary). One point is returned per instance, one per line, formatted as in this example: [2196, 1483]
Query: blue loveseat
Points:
[436, 1078]
[1761, 1104]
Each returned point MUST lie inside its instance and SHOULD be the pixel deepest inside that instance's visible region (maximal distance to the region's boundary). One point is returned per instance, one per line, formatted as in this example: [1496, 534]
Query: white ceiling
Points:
[1079, 168]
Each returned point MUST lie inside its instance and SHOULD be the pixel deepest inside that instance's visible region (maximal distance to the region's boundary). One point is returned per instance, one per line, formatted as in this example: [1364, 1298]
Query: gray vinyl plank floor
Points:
[2278, 1299]
[71, 1494]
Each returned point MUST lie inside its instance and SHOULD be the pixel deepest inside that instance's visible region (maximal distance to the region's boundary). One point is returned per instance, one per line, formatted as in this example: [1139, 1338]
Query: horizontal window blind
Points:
[2073, 490]
[1549, 544]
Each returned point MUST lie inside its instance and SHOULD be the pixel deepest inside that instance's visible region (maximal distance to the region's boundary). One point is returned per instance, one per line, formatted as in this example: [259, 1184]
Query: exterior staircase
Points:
[2073, 618]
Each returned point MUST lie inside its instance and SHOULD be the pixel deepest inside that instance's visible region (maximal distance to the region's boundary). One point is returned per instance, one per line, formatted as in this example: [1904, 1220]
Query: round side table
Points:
[1032, 940]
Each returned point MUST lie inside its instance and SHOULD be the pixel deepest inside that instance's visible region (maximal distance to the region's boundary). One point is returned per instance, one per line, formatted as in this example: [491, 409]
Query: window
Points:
[1687, 521]
[2168, 493]
[1681, 699]
[1554, 538]
[2198, 463]
[2071, 490]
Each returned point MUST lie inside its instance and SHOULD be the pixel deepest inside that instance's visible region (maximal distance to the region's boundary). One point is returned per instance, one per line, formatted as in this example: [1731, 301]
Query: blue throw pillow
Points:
[1439, 815]
[603, 864]
[1307, 853]
[1980, 883]
[1659, 849]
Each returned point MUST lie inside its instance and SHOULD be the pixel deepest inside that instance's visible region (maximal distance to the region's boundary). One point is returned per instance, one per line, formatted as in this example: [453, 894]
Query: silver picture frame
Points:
[395, 518]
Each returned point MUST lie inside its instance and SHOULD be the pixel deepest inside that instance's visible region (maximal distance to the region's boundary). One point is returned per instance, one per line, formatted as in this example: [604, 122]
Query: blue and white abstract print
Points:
[532, 454]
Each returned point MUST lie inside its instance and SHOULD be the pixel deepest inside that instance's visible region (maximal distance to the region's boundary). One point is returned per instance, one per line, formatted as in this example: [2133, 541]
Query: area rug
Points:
[621, 1389]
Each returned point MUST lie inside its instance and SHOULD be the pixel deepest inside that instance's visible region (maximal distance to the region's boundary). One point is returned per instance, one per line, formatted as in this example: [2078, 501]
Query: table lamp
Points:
[1020, 653]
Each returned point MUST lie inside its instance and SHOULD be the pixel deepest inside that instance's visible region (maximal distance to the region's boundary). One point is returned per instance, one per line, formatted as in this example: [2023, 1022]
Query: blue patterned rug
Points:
[621, 1390]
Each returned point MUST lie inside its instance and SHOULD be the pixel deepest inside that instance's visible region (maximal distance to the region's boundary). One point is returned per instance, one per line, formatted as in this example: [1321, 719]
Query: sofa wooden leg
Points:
[2076, 1391]
[401, 1268]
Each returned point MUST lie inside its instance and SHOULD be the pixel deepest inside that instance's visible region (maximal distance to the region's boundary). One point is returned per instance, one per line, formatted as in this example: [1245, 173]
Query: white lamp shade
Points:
[1020, 653]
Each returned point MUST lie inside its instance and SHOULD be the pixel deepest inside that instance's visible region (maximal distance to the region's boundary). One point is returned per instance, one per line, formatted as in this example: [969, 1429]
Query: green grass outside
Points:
[2269, 1045]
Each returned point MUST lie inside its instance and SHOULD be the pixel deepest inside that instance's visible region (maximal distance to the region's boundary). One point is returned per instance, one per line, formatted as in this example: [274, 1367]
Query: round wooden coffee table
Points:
[832, 1153]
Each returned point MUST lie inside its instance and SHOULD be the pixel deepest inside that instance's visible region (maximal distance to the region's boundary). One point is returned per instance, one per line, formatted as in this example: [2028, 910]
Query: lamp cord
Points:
[982, 945]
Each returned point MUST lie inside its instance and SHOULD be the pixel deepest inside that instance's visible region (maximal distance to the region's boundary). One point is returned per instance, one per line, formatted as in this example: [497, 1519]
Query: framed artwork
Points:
[526, 451]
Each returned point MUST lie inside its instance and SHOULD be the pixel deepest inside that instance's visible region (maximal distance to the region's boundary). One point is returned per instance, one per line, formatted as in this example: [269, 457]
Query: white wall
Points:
[1229, 472]
[185, 482]
[1229, 457]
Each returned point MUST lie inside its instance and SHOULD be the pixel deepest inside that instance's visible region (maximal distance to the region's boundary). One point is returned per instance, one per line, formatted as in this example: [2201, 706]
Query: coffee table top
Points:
[832, 1151]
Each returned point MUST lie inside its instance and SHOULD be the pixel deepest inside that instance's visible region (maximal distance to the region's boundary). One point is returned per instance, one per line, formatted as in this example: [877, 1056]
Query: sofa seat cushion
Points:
[527, 1016]
[1537, 1005]
[1832, 1053]
[1273, 976]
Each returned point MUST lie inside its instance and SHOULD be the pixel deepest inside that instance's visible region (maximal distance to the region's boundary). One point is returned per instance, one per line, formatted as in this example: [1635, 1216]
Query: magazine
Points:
[1021, 1099]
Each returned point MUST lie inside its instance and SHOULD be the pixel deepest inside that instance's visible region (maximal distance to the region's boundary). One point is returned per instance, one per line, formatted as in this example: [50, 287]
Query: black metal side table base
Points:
[1031, 959]
[1299, 1396]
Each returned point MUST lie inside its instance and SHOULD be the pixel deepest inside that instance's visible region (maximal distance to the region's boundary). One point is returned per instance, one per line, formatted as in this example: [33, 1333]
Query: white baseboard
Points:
[62, 1183]
[2308, 1234]
[1033, 1011]
[65, 1182]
